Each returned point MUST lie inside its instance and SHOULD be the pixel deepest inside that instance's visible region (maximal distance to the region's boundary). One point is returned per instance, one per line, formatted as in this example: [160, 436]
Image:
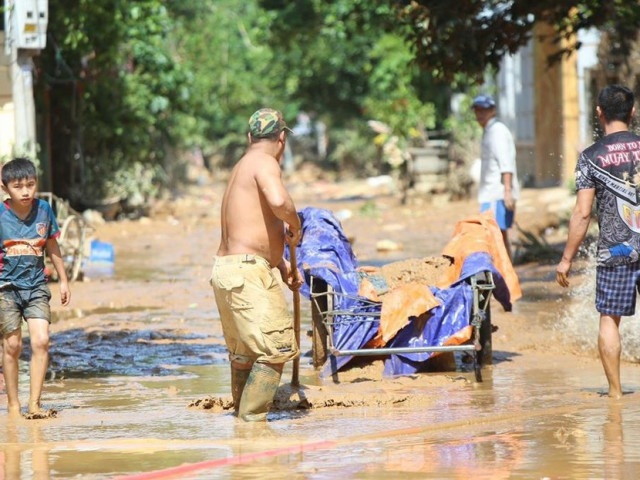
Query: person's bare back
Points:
[256, 204]
[249, 224]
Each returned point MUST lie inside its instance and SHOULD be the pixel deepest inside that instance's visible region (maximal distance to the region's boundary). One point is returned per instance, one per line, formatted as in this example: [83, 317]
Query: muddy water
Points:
[534, 416]
[123, 372]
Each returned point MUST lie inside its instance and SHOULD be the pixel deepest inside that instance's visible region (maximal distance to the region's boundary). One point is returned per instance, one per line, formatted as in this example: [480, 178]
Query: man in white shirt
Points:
[498, 189]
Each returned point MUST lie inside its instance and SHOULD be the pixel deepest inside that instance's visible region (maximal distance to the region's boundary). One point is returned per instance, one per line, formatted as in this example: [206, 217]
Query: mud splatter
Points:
[347, 392]
[41, 414]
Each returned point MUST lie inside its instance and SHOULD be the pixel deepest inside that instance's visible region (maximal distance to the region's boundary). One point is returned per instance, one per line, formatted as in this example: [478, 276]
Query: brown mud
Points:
[41, 414]
[426, 271]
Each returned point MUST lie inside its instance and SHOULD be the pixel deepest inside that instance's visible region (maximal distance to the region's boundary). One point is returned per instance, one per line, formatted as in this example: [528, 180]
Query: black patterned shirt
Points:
[612, 167]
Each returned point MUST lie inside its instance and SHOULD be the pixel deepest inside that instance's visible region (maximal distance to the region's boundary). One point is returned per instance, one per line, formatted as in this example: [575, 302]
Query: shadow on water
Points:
[500, 356]
[76, 353]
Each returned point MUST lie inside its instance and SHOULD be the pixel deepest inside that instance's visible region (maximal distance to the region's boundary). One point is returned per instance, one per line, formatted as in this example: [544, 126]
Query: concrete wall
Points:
[7, 125]
[554, 113]
[547, 107]
[516, 108]
[587, 61]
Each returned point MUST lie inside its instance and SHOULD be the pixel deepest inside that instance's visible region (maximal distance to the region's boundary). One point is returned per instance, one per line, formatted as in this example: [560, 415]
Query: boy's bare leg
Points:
[39, 333]
[610, 348]
[11, 350]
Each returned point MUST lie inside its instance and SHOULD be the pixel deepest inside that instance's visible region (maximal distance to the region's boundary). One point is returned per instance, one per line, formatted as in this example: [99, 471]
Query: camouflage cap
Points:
[267, 122]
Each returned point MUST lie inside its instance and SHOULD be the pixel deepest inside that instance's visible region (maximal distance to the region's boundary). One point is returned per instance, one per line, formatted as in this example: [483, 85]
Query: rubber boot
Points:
[259, 391]
[239, 378]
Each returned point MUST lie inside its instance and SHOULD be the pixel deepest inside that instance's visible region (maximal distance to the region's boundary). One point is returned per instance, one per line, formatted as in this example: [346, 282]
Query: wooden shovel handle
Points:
[295, 374]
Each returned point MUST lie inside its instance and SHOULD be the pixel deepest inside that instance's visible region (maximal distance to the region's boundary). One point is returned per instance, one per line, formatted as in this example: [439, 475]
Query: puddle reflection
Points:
[23, 455]
[613, 451]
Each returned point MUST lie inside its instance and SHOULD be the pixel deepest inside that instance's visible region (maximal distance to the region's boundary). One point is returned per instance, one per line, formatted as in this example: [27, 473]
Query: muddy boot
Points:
[259, 392]
[239, 378]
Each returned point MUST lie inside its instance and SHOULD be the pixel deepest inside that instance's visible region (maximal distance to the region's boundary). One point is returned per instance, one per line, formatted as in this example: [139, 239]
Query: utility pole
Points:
[25, 36]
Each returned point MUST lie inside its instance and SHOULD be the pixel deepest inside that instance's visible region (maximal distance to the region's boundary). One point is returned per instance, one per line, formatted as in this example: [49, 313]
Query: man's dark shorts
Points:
[18, 304]
[616, 289]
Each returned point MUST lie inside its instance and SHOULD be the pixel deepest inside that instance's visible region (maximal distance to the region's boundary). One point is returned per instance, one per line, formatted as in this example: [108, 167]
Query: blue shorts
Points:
[504, 217]
[616, 289]
[17, 304]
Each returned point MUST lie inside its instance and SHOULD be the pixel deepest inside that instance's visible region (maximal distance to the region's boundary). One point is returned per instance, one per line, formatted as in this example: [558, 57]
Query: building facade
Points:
[7, 125]
[548, 107]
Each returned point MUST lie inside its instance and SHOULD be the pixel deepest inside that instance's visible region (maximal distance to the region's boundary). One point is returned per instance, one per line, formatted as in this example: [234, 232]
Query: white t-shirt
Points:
[498, 157]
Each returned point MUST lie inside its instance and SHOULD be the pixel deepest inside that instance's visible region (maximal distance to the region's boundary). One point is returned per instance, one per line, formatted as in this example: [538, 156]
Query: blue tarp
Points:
[326, 253]
[481, 262]
[451, 316]
[352, 331]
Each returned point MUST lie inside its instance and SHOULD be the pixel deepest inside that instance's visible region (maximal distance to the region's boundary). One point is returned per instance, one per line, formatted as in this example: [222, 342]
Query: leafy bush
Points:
[354, 152]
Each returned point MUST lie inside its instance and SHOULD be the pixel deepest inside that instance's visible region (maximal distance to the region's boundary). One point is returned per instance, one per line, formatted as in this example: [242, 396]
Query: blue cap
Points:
[484, 101]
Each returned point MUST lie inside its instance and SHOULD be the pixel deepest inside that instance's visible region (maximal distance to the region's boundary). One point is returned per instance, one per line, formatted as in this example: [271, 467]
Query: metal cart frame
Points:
[323, 318]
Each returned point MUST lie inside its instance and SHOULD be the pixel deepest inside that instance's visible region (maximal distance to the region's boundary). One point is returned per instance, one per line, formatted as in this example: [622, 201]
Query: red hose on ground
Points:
[223, 462]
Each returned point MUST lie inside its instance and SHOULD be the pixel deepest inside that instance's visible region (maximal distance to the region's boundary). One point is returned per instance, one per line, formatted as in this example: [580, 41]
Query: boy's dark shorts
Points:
[616, 289]
[18, 304]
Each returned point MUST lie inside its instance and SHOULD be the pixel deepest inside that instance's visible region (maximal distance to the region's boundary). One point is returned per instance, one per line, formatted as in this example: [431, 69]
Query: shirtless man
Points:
[256, 322]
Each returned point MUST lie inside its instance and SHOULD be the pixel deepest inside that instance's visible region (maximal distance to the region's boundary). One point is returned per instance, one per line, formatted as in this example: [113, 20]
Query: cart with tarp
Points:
[355, 313]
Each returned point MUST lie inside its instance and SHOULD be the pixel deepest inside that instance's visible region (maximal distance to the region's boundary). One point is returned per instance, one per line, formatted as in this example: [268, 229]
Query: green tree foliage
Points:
[467, 36]
[117, 95]
[343, 54]
[392, 94]
[125, 82]
[324, 49]
[224, 45]
[352, 63]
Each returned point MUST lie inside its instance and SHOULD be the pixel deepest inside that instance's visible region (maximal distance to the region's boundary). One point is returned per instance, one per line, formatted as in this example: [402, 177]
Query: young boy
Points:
[28, 227]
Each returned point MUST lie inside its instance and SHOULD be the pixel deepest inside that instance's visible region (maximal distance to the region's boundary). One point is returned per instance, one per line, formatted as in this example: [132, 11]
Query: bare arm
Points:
[290, 274]
[578, 225]
[509, 202]
[270, 184]
[505, 153]
[53, 249]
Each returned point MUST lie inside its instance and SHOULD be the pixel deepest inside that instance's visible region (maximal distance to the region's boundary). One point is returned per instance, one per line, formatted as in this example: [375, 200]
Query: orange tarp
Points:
[367, 290]
[479, 233]
[401, 303]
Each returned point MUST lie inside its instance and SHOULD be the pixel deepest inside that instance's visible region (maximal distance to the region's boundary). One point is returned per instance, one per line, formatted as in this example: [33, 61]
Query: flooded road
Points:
[533, 416]
[137, 348]
[521, 422]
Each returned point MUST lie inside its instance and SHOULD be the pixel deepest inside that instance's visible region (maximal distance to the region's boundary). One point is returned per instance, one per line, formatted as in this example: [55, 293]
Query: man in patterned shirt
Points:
[609, 171]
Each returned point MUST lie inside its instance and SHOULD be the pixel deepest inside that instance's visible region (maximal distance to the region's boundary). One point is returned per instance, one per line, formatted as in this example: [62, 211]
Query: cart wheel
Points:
[319, 330]
[486, 354]
[318, 338]
[71, 243]
[477, 366]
